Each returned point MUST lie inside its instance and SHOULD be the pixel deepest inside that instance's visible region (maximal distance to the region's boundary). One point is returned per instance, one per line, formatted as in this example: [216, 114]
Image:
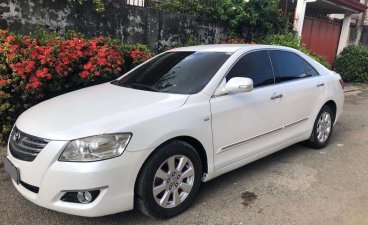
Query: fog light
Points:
[84, 197]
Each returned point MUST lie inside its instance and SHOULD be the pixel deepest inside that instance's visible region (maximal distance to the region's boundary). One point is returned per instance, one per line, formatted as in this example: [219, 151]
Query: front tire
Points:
[322, 129]
[169, 180]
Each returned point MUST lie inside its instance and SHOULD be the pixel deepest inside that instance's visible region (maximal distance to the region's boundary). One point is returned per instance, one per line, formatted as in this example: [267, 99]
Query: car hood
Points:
[94, 110]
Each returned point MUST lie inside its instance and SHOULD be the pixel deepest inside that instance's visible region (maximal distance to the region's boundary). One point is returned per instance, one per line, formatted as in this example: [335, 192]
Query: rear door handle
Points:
[276, 96]
[321, 85]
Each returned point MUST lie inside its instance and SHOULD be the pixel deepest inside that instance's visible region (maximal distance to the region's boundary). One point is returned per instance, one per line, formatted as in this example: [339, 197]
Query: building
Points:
[319, 31]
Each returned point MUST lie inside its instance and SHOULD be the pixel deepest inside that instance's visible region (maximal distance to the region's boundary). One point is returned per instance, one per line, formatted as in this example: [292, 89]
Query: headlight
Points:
[95, 148]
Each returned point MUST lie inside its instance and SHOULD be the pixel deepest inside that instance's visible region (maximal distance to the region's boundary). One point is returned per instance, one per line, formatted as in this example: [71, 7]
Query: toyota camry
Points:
[148, 139]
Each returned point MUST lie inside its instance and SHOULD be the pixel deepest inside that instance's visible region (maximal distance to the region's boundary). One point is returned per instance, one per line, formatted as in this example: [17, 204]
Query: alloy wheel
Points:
[173, 181]
[324, 127]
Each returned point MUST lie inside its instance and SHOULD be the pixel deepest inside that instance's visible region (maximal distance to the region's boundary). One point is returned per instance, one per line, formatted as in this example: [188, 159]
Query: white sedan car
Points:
[148, 139]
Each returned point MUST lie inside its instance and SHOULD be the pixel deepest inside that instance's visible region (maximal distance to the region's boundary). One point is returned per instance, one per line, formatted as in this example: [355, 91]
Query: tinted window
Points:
[175, 72]
[289, 66]
[309, 70]
[255, 65]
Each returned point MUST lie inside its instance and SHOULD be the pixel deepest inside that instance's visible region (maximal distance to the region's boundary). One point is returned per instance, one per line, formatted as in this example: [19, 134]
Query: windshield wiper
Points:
[143, 87]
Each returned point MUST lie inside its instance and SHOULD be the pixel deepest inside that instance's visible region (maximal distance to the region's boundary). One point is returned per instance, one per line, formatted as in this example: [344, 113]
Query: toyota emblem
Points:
[16, 137]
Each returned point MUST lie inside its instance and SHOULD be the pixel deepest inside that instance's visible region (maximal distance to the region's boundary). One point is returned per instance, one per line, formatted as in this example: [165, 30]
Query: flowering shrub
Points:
[137, 54]
[36, 68]
[232, 40]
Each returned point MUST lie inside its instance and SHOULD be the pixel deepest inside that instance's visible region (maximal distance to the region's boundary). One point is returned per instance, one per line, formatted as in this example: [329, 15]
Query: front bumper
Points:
[115, 178]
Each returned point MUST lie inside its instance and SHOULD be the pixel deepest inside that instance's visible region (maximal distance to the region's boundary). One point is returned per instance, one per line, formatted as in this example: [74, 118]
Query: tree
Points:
[246, 18]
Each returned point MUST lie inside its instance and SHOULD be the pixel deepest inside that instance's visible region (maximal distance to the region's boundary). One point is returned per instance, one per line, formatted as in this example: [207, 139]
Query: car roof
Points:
[227, 48]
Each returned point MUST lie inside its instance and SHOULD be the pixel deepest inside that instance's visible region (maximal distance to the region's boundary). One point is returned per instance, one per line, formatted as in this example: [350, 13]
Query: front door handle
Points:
[321, 85]
[276, 96]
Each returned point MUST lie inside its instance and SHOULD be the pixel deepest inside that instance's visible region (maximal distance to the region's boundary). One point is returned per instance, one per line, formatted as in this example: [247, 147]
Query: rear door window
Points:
[288, 66]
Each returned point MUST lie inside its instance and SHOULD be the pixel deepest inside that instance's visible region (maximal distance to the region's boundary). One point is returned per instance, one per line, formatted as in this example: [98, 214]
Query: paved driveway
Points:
[294, 186]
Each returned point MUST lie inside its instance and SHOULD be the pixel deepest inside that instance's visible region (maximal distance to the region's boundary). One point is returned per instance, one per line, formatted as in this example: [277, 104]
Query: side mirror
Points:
[239, 84]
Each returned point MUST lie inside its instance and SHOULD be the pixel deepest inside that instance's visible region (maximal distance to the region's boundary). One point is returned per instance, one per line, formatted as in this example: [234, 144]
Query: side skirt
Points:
[254, 157]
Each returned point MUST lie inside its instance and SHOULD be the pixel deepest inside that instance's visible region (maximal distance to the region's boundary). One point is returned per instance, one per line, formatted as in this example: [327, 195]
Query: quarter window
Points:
[256, 66]
[309, 70]
[289, 66]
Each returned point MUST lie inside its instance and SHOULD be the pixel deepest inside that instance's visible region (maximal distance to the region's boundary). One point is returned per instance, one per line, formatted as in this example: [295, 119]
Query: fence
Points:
[135, 2]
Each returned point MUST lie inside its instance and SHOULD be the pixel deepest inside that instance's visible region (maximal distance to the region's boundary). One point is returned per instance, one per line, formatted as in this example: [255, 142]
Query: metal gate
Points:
[321, 37]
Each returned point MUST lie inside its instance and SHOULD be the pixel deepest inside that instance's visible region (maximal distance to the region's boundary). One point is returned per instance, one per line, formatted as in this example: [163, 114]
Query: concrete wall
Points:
[130, 24]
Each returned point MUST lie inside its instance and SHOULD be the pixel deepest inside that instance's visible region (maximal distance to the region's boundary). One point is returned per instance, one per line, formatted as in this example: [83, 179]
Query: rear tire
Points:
[169, 180]
[322, 129]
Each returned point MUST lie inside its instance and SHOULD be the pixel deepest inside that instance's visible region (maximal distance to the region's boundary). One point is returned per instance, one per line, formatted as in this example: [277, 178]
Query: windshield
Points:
[175, 72]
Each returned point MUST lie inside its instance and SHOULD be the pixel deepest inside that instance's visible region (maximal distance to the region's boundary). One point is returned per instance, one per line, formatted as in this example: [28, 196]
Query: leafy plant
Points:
[250, 19]
[191, 41]
[288, 40]
[352, 64]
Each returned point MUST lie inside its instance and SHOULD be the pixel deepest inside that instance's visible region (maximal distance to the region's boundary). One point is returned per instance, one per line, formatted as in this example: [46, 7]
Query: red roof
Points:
[351, 4]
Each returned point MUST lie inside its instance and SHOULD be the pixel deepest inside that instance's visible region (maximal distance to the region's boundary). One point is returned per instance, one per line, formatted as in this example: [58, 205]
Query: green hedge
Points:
[352, 64]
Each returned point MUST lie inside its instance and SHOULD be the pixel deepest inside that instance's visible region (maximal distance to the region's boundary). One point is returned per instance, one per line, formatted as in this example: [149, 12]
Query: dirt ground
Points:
[294, 186]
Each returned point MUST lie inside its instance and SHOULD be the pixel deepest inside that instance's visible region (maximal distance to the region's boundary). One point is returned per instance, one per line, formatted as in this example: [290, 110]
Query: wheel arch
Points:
[333, 106]
[197, 145]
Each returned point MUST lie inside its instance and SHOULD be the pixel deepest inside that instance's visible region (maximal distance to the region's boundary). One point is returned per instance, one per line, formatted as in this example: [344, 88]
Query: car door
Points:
[303, 91]
[247, 123]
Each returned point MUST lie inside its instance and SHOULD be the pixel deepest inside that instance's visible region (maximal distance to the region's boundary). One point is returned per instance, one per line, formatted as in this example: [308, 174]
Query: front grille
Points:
[24, 146]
